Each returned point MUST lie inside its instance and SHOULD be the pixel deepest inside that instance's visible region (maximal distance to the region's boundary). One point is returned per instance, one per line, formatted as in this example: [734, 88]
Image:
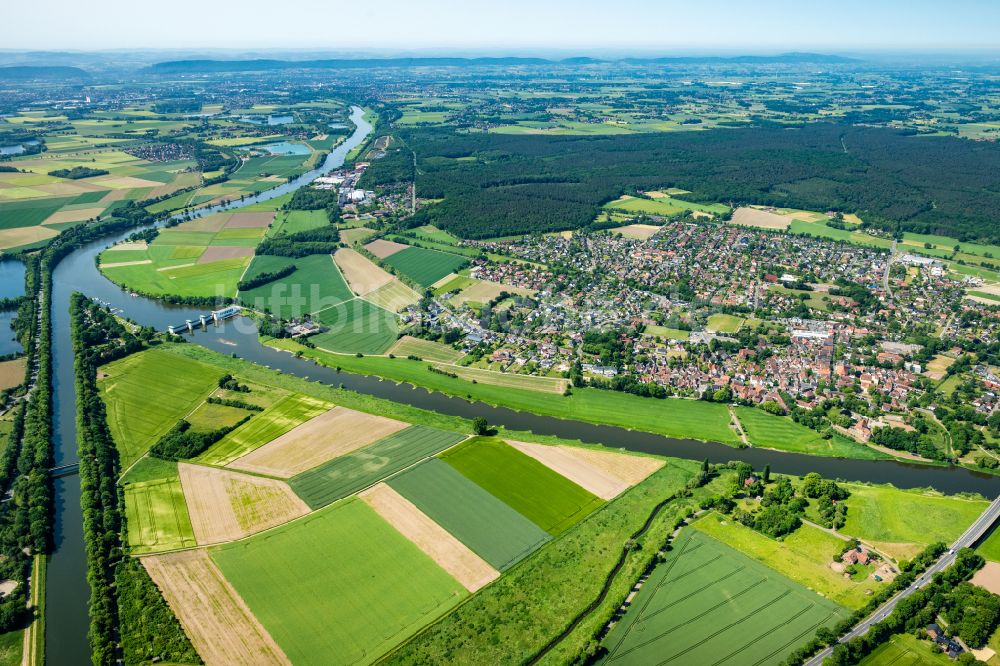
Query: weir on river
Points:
[67, 588]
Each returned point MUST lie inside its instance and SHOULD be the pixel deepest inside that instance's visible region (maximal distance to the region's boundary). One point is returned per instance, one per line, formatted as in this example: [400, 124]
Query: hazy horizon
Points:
[582, 27]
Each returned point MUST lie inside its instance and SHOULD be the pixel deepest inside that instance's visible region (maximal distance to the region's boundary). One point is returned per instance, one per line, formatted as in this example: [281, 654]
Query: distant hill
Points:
[213, 66]
[30, 72]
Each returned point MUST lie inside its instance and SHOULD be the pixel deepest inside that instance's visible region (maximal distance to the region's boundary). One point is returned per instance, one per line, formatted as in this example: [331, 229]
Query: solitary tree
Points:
[480, 426]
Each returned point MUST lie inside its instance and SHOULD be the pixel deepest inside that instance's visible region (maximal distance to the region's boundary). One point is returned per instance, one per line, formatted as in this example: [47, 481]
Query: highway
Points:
[968, 538]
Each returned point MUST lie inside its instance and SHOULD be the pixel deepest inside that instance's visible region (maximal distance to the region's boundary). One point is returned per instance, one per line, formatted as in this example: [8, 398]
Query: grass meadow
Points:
[779, 432]
[157, 517]
[316, 284]
[340, 586]
[356, 326]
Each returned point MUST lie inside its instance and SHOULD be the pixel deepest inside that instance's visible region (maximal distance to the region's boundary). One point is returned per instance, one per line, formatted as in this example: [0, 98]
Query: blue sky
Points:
[580, 26]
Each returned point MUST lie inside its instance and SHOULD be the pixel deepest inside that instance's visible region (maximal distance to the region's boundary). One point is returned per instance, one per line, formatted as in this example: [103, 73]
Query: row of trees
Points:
[125, 604]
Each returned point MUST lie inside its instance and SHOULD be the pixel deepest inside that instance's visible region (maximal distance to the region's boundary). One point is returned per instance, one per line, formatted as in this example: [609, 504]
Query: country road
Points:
[968, 538]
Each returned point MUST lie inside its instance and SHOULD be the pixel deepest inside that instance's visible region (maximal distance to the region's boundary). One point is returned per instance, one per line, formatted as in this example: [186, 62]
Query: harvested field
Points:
[325, 437]
[484, 291]
[249, 220]
[561, 460]
[448, 552]
[493, 530]
[266, 426]
[382, 248]
[393, 296]
[638, 231]
[11, 238]
[227, 505]
[12, 373]
[626, 468]
[361, 274]
[215, 618]
[988, 577]
[63, 216]
[218, 253]
[760, 219]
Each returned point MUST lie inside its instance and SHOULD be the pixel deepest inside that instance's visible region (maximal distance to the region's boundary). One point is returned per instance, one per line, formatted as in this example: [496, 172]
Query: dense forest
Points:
[893, 179]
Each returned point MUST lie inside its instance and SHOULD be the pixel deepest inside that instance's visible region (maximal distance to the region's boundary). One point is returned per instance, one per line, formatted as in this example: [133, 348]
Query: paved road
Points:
[971, 535]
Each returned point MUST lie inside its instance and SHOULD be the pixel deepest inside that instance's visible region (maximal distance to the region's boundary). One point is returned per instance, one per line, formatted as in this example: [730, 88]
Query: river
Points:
[66, 641]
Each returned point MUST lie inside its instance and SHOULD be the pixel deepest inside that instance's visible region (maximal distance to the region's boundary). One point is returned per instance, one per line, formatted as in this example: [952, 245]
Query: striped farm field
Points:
[356, 326]
[340, 586]
[393, 296]
[425, 267]
[492, 529]
[710, 604]
[136, 421]
[348, 474]
[157, 516]
[426, 349]
[315, 285]
[336, 433]
[545, 497]
[264, 427]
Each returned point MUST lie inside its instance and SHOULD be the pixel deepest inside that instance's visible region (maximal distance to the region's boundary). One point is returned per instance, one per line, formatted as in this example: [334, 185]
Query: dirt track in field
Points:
[361, 274]
[226, 505]
[213, 615]
[450, 554]
[334, 433]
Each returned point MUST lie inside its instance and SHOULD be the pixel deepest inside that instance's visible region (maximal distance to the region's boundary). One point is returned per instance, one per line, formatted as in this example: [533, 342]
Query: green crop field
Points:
[427, 350]
[264, 427]
[338, 587]
[906, 650]
[457, 283]
[804, 556]
[315, 285]
[664, 206]
[294, 221]
[990, 547]
[425, 267]
[488, 526]
[695, 419]
[356, 326]
[779, 432]
[887, 515]
[708, 604]
[157, 516]
[147, 393]
[431, 233]
[348, 474]
[548, 499]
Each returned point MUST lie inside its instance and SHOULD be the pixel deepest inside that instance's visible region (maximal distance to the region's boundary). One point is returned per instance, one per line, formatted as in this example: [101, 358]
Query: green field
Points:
[667, 333]
[892, 518]
[157, 516]
[492, 529]
[779, 432]
[425, 267]
[664, 206]
[906, 650]
[431, 233]
[338, 587]
[804, 556]
[11, 647]
[356, 326]
[822, 231]
[709, 604]
[264, 427]
[724, 323]
[694, 419]
[139, 416]
[548, 499]
[149, 468]
[294, 221]
[315, 285]
[508, 621]
[457, 283]
[427, 350]
[348, 474]
[990, 547]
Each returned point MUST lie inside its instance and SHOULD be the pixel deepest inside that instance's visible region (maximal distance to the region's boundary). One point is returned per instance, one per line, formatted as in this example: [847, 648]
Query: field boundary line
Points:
[702, 589]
